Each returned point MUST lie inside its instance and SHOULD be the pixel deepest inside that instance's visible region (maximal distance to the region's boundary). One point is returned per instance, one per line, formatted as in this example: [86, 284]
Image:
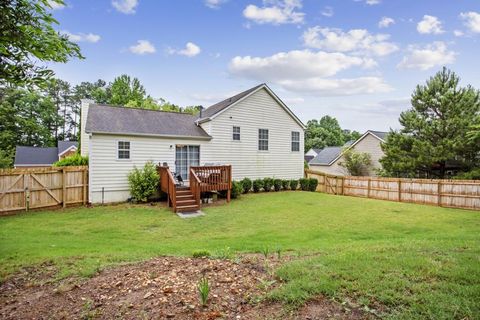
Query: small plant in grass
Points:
[285, 184]
[265, 284]
[278, 251]
[267, 184]
[265, 251]
[312, 184]
[201, 254]
[246, 185]
[257, 185]
[203, 290]
[225, 253]
[304, 183]
[277, 184]
[293, 184]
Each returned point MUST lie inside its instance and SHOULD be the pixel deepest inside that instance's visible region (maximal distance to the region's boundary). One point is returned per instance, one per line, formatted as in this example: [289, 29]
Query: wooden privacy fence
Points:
[25, 189]
[463, 194]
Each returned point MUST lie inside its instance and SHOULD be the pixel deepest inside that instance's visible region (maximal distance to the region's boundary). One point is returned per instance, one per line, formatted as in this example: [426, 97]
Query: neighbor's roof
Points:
[65, 145]
[35, 156]
[326, 156]
[380, 134]
[124, 120]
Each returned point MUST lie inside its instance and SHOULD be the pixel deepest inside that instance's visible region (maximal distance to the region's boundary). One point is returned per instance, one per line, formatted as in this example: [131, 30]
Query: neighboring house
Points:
[329, 159]
[31, 157]
[310, 154]
[254, 132]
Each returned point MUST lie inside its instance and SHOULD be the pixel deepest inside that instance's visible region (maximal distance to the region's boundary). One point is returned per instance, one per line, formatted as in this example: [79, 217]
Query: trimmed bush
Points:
[257, 185]
[237, 189]
[312, 184]
[285, 184]
[73, 160]
[303, 184]
[143, 182]
[277, 184]
[293, 184]
[201, 254]
[246, 185]
[267, 184]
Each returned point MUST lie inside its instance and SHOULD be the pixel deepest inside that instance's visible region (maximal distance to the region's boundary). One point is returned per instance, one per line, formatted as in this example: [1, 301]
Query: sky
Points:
[356, 60]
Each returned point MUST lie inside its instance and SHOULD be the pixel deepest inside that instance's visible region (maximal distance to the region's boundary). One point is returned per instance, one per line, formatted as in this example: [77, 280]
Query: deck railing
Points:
[167, 185]
[214, 177]
[195, 184]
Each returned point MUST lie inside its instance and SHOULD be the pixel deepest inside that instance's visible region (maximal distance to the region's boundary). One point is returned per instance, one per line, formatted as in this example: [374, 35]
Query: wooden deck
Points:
[201, 179]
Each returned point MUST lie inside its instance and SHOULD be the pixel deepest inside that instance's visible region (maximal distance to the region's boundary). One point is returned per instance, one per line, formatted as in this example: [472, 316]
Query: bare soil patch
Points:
[161, 288]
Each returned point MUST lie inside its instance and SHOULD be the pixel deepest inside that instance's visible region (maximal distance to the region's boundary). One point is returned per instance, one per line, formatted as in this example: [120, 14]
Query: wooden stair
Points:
[185, 200]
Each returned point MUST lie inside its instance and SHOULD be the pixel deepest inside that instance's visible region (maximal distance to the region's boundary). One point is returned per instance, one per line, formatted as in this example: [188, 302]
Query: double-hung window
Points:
[123, 150]
[295, 141]
[236, 133]
[263, 139]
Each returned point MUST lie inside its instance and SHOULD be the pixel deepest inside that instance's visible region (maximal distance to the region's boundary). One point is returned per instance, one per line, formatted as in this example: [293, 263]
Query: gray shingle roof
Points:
[217, 107]
[123, 120]
[381, 134]
[327, 155]
[64, 145]
[317, 150]
[35, 155]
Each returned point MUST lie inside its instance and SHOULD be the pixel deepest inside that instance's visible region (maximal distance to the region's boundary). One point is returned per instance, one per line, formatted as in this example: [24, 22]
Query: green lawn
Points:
[416, 261]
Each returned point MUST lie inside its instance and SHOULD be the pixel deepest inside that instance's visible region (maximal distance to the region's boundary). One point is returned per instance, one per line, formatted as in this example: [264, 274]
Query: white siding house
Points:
[329, 159]
[116, 139]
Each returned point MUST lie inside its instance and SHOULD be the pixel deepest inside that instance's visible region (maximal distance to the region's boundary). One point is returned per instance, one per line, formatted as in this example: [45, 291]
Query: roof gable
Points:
[215, 110]
[64, 146]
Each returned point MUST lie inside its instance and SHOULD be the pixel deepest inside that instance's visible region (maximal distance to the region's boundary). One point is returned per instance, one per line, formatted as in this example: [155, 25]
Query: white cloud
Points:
[214, 4]
[429, 56]
[190, 50]
[370, 2]
[307, 71]
[82, 37]
[471, 20]
[142, 47]
[55, 5]
[125, 6]
[458, 33]
[430, 24]
[327, 11]
[356, 40]
[275, 12]
[385, 22]
[296, 100]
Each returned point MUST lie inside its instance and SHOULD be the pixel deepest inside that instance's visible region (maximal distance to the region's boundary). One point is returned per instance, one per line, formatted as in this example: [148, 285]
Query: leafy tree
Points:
[127, 92]
[356, 163]
[327, 132]
[434, 130]
[5, 159]
[28, 36]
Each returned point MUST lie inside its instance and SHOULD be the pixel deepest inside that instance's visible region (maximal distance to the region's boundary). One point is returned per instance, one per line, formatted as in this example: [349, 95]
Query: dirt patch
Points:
[161, 288]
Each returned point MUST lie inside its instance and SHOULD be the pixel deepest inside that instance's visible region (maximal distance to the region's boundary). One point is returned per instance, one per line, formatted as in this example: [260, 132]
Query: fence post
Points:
[85, 177]
[64, 189]
[399, 190]
[26, 191]
[439, 192]
[343, 186]
[368, 187]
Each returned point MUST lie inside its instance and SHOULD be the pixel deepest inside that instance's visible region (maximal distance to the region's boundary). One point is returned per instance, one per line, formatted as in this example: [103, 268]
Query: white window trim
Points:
[117, 149]
[258, 140]
[291, 141]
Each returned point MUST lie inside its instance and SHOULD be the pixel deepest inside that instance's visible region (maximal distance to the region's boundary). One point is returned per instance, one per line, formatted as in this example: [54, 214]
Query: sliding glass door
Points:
[186, 156]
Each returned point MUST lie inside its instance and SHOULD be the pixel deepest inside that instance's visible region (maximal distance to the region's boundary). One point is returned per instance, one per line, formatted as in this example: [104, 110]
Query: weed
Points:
[203, 290]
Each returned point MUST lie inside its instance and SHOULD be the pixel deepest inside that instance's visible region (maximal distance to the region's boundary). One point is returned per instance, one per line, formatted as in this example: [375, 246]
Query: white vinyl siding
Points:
[295, 141]
[263, 139]
[236, 133]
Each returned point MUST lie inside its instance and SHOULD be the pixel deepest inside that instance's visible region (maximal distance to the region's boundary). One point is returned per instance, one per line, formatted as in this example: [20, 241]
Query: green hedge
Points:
[73, 160]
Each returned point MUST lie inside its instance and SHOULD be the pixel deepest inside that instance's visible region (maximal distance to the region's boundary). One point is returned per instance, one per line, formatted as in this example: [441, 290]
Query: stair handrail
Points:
[195, 186]
[170, 187]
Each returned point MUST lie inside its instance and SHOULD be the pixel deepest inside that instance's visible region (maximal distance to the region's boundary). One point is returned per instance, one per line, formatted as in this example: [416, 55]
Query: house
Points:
[35, 157]
[253, 131]
[328, 160]
[310, 154]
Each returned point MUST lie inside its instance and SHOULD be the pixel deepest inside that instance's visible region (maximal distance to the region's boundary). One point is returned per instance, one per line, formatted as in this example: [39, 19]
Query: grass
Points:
[415, 261]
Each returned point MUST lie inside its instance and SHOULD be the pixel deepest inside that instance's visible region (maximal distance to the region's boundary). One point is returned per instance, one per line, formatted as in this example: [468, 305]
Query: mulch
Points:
[161, 288]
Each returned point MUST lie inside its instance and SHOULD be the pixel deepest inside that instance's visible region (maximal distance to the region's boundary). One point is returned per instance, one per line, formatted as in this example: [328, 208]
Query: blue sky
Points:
[357, 60]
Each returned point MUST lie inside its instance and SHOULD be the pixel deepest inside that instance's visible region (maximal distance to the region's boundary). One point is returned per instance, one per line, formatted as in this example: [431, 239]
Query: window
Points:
[123, 149]
[236, 133]
[263, 139]
[295, 141]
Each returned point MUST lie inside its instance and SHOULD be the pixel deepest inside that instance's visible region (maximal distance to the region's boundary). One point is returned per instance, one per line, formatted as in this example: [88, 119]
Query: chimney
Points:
[201, 111]
[84, 137]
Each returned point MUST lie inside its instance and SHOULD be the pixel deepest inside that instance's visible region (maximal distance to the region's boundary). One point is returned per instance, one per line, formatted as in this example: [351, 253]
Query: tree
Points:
[327, 132]
[127, 92]
[434, 130]
[27, 36]
[356, 163]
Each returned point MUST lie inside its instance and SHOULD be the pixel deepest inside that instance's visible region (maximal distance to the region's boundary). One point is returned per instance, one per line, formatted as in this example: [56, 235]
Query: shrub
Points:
[293, 184]
[277, 184]
[201, 254]
[267, 184]
[285, 184]
[246, 185]
[143, 182]
[257, 185]
[312, 184]
[236, 189]
[73, 160]
[470, 175]
[303, 184]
